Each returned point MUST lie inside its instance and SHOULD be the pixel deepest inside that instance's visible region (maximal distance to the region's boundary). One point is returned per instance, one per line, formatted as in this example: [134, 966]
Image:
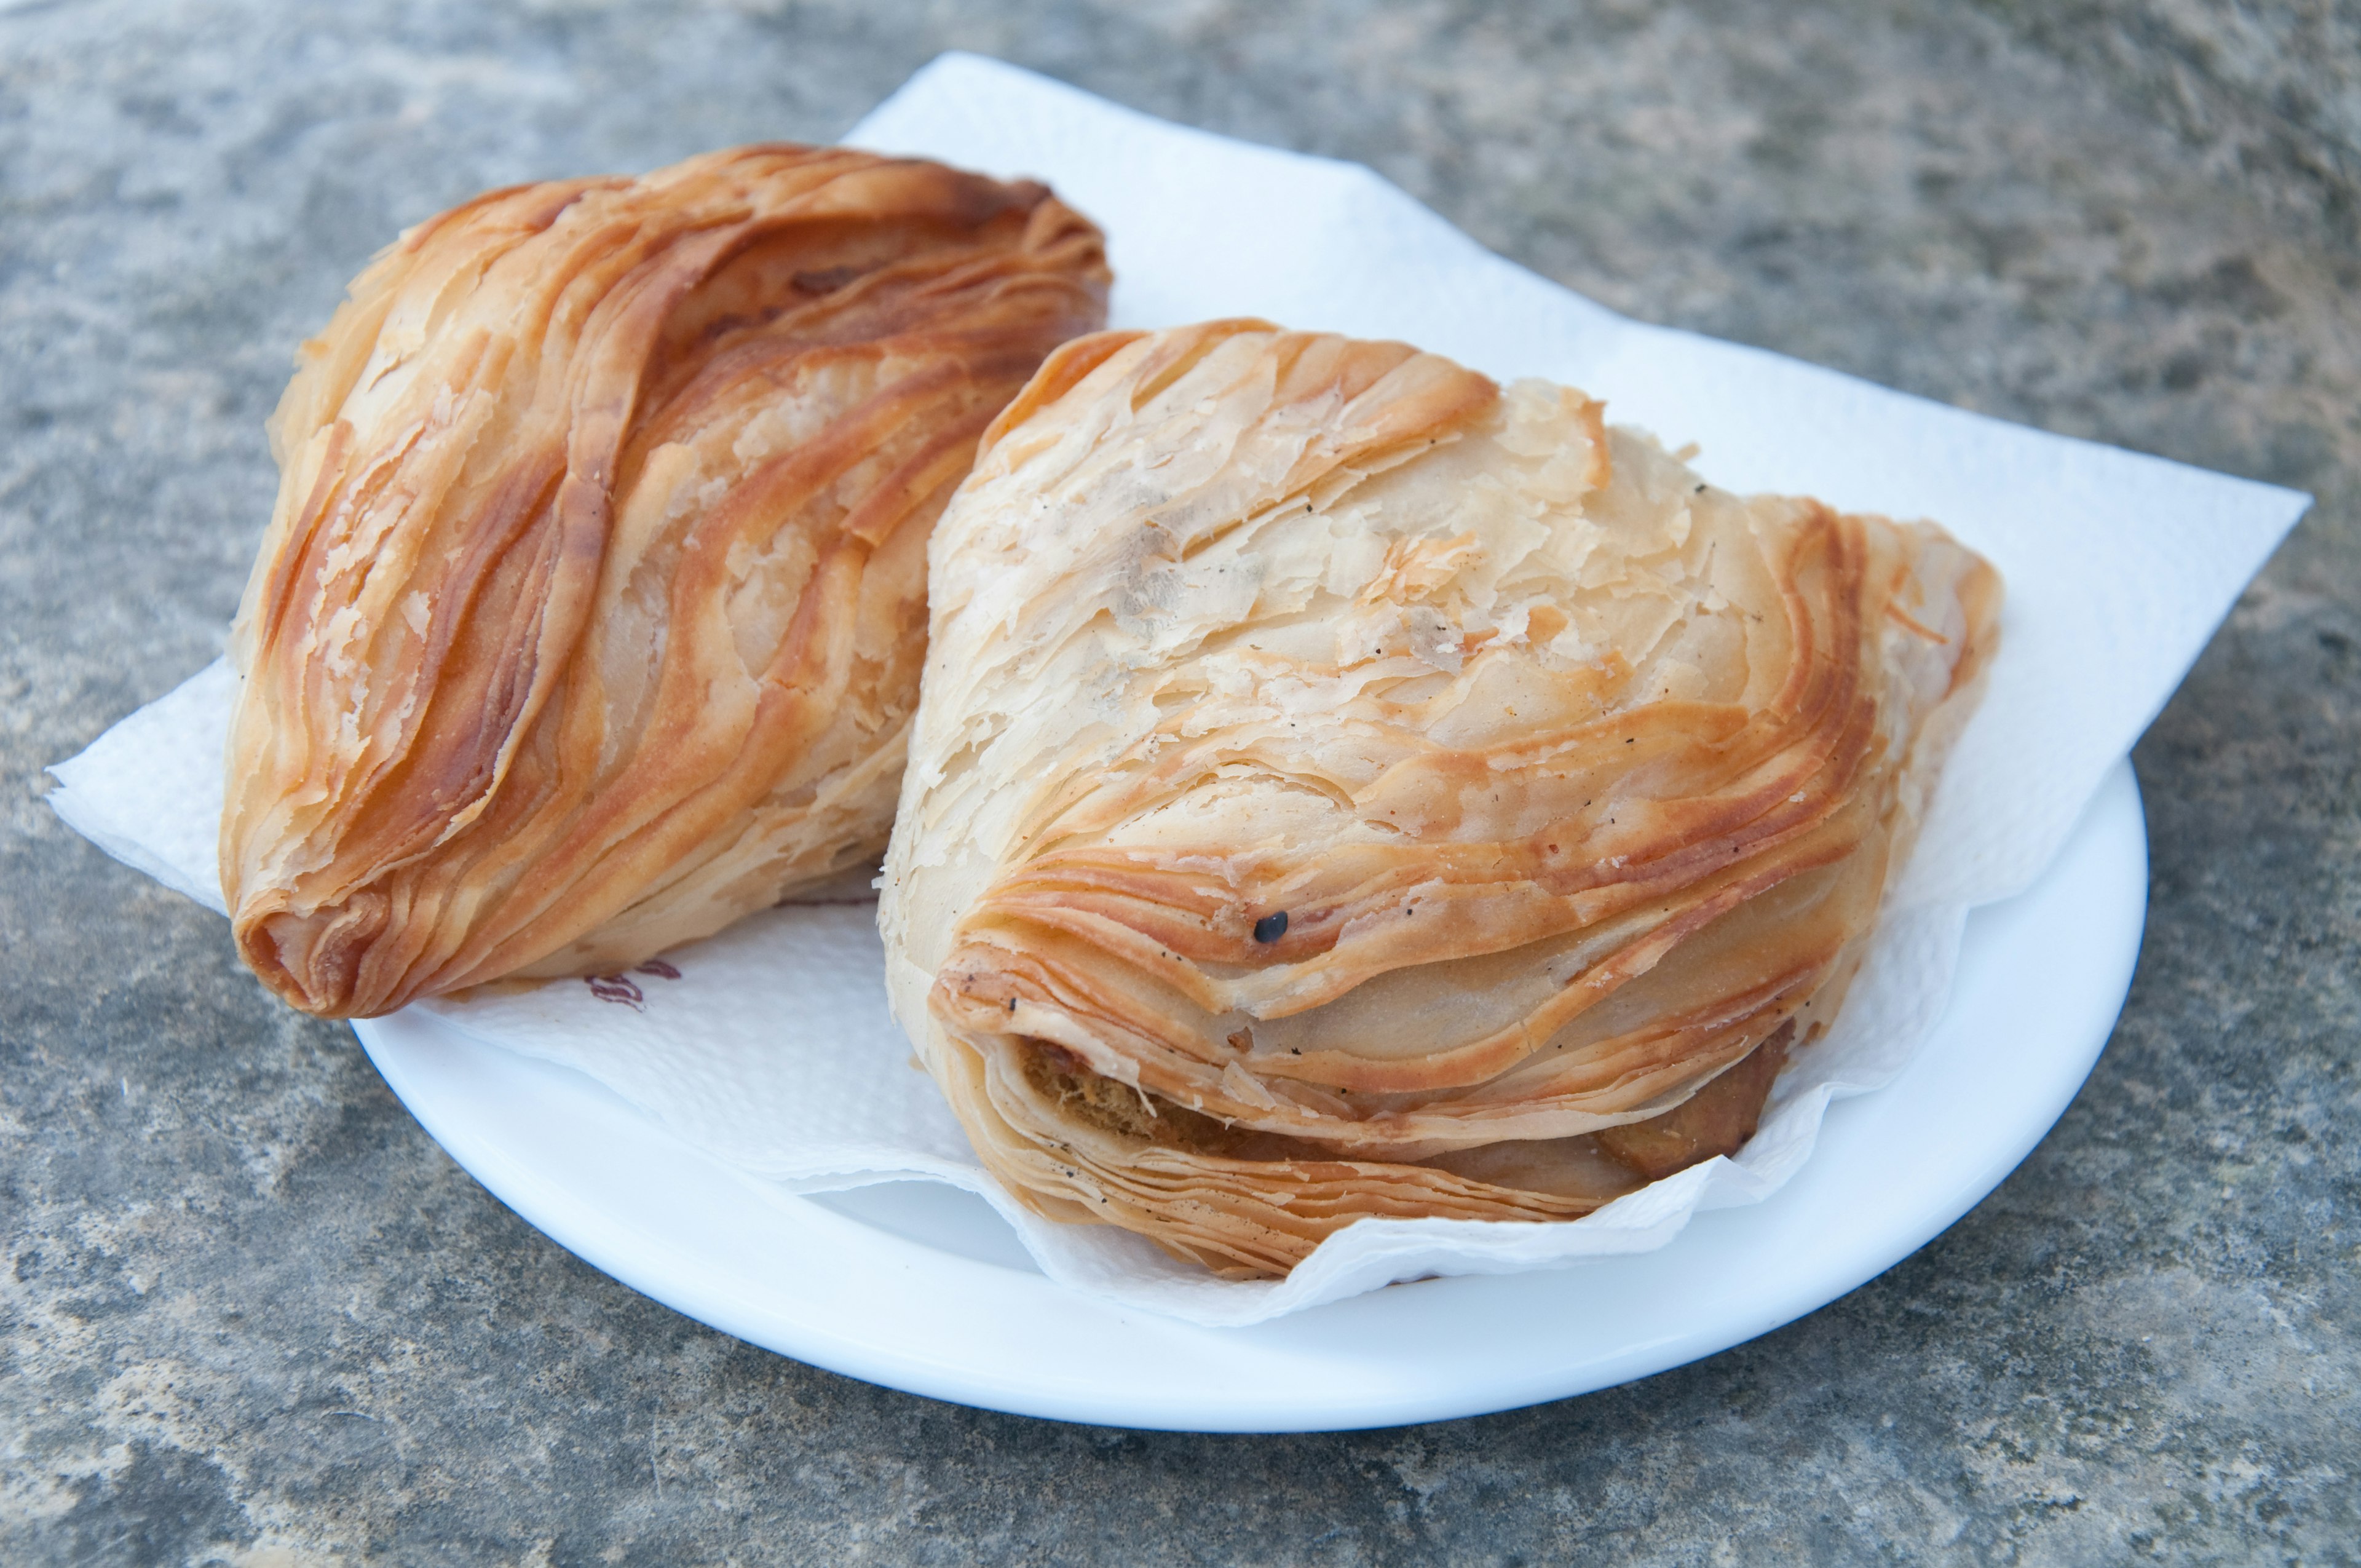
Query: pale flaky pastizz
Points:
[1342, 788]
[591, 614]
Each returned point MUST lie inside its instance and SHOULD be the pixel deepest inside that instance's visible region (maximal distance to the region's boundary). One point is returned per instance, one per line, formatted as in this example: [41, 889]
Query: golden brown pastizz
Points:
[1341, 788]
[591, 614]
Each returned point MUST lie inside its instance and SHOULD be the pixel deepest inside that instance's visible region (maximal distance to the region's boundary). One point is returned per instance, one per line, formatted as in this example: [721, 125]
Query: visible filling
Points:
[1717, 1120]
[1107, 1105]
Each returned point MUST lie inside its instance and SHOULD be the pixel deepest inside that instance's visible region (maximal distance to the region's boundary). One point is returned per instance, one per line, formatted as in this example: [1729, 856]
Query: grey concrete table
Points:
[249, 1314]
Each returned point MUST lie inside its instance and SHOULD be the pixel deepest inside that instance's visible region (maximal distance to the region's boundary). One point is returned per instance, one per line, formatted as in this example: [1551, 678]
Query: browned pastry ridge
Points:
[1342, 788]
[591, 613]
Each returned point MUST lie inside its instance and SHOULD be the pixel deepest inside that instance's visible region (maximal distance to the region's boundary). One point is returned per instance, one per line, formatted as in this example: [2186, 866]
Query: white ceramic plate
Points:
[922, 1287]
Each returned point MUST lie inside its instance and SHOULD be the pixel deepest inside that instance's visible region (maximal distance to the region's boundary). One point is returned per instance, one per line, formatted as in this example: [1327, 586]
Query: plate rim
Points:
[847, 1324]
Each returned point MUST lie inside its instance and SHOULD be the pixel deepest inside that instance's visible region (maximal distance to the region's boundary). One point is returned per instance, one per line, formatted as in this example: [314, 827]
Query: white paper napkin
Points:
[770, 1046]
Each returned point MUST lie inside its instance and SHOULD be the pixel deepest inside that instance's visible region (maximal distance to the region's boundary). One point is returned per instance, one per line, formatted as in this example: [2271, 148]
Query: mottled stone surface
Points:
[249, 1312]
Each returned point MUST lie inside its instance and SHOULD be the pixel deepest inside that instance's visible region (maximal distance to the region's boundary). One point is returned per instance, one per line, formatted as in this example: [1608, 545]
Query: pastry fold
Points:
[1342, 787]
[591, 613]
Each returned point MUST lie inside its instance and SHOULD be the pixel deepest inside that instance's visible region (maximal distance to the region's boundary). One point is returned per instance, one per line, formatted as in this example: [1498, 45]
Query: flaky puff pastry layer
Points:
[1342, 788]
[591, 614]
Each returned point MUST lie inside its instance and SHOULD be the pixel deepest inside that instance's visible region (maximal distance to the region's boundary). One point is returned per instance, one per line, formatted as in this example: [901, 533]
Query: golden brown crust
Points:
[592, 611]
[1417, 781]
